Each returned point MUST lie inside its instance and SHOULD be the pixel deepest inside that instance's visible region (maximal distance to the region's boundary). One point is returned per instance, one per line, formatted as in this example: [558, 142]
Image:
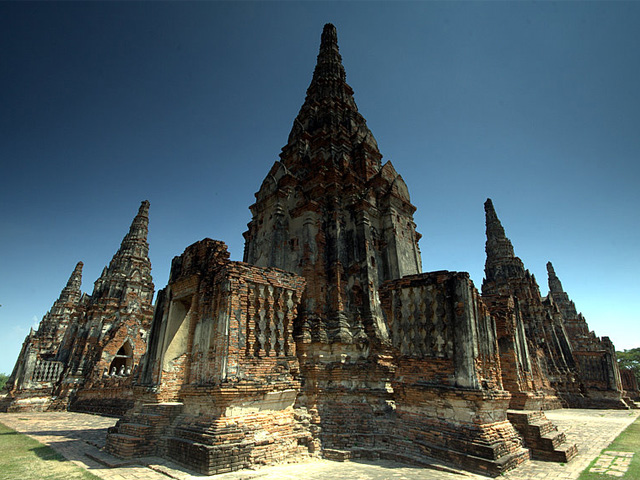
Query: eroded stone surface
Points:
[534, 344]
[327, 340]
[87, 347]
[630, 384]
[595, 357]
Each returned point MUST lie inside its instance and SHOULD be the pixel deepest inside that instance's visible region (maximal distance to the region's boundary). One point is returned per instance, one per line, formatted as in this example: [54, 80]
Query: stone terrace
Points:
[78, 437]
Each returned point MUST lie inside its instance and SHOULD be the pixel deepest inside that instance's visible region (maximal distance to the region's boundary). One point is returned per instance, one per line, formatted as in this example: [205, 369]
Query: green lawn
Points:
[611, 463]
[23, 458]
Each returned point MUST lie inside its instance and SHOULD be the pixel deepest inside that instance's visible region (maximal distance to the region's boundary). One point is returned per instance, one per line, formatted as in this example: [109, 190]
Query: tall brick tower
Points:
[63, 313]
[548, 345]
[129, 271]
[595, 357]
[329, 211]
[86, 347]
[290, 353]
[111, 337]
[38, 367]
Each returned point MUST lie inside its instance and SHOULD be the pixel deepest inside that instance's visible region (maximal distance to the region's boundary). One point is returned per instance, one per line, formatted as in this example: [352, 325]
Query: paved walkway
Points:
[79, 437]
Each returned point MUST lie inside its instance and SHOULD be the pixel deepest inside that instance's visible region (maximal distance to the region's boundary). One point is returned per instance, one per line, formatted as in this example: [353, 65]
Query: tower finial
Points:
[75, 280]
[140, 225]
[329, 77]
[144, 208]
[555, 286]
[329, 35]
[501, 263]
[329, 112]
[490, 212]
[498, 245]
[132, 258]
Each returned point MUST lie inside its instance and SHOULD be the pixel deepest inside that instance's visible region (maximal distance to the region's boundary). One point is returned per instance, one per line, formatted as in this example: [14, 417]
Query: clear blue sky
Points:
[536, 105]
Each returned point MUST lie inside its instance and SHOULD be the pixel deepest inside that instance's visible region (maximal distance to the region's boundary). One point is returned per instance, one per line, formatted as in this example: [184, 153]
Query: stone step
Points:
[136, 429]
[209, 459]
[337, 455]
[525, 417]
[562, 454]
[546, 427]
[553, 440]
[542, 437]
[122, 445]
[125, 438]
[109, 460]
[539, 428]
[151, 419]
[141, 433]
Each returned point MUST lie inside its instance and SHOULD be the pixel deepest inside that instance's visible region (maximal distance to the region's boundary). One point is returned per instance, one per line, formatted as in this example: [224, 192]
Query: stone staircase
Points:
[140, 434]
[541, 436]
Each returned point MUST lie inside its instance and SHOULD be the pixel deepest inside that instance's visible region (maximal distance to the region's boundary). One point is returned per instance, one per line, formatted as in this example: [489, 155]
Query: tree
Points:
[630, 359]
[3, 380]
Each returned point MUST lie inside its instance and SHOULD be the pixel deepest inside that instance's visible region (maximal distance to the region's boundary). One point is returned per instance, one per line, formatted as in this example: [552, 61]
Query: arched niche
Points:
[123, 360]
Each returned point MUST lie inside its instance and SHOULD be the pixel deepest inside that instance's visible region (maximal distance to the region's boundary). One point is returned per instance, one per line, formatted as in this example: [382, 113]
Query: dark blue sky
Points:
[535, 105]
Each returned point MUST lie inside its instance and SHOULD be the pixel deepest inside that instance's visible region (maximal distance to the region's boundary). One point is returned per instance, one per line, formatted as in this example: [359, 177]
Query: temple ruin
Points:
[87, 346]
[327, 339]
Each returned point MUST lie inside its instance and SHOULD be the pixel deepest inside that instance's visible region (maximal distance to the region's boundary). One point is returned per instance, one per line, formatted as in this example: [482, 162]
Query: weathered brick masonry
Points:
[327, 339]
[350, 381]
[630, 384]
[448, 392]
[595, 357]
[89, 345]
[221, 344]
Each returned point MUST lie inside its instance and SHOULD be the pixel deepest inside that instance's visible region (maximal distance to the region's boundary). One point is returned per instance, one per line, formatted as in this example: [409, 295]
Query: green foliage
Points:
[630, 359]
[3, 381]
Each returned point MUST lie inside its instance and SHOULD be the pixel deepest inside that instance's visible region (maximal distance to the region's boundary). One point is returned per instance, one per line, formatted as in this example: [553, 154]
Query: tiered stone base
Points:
[228, 429]
[542, 437]
[631, 403]
[141, 431]
[352, 422]
[468, 428]
[217, 429]
[213, 445]
[608, 399]
[223, 429]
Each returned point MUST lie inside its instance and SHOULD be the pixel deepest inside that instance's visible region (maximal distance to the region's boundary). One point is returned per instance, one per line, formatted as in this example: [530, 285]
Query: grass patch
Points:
[627, 441]
[24, 458]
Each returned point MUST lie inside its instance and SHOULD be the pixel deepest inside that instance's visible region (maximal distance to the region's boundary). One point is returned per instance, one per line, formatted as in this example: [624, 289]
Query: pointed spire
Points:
[135, 242]
[555, 286]
[140, 225]
[55, 321]
[131, 257]
[328, 131]
[560, 297]
[75, 280]
[498, 245]
[501, 265]
[71, 292]
[329, 76]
